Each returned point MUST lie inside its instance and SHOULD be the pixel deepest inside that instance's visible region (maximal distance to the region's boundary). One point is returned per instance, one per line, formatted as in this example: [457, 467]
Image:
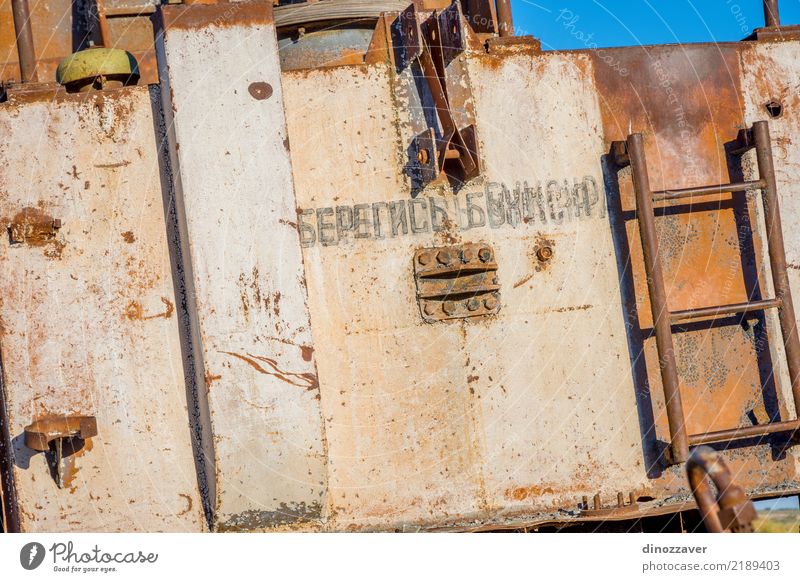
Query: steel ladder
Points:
[663, 319]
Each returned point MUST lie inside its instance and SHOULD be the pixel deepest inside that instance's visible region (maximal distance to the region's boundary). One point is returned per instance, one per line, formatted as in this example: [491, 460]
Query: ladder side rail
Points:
[679, 442]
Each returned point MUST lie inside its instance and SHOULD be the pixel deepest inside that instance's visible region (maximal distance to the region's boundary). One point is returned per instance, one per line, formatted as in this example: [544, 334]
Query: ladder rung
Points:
[701, 190]
[732, 434]
[676, 316]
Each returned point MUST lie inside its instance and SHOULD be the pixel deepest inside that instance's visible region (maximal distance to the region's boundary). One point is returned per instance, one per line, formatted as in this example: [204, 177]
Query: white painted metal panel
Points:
[88, 318]
[770, 74]
[429, 424]
[253, 347]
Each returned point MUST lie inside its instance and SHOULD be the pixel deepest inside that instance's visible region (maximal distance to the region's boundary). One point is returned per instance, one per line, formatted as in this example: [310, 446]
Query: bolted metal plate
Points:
[456, 282]
[451, 28]
[406, 37]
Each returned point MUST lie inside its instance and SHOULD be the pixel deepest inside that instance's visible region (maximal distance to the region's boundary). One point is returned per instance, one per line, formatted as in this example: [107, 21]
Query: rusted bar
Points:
[679, 443]
[772, 16]
[697, 469]
[777, 256]
[505, 23]
[24, 32]
[102, 23]
[731, 434]
[697, 313]
[659, 195]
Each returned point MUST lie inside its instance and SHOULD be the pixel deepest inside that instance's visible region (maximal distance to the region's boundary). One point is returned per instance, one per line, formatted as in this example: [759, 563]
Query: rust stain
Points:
[304, 380]
[113, 165]
[35, 228]
[133, 311]
[227, 15]
[211, 378]
[448, 235]
[276, 299]
[306, 352]
[189, 503]
[168, 311]
[128, 237]
[522, 281]
[523, 493]
[73, 450]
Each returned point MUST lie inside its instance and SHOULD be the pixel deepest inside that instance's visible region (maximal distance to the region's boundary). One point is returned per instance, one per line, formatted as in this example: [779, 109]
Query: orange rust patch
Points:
[227, 15]
[35, 228]
[523, 493]
[133, 311]
[210, 378]
[306, 352]
[128, 237]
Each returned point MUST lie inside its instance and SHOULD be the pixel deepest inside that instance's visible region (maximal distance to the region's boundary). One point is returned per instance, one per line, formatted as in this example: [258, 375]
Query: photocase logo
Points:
[31, 555]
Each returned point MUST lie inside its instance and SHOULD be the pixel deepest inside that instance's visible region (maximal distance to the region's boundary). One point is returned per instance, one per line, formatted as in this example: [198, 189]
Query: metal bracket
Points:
[730, 510]
[619, 154]
[50, 433]
[456, 282]
[31, 226]
[442, 37]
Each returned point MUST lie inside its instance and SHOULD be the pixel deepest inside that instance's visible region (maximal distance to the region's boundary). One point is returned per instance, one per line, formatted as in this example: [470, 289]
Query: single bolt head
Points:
[445, 257]
[468, 255]
[430, 309]
[485, 254]
[449, 307]
[544, 253]
[473, 304]
[490, 302]
[424, 258]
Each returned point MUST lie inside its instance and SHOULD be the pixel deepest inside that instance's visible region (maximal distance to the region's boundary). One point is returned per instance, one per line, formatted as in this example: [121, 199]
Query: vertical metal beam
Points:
[772, 16]
[22, 28]
[777, 257]
[505, 22]
[102, 23]
[679, 442]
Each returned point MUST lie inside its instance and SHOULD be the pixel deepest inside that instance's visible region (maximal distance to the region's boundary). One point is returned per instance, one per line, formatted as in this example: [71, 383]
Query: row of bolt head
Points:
[447, 257]
[472, 304]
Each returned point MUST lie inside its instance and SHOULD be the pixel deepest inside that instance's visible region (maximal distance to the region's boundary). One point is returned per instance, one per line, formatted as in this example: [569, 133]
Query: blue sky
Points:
[632, 22]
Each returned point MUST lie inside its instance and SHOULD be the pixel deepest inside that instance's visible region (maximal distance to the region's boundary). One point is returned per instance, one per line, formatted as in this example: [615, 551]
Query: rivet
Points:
[260, 90]
[544, 253]
[473, 304]
[430, 309]
[445, 257]
[424, 258]
[468, 255]
[485, 255]
[490, 302]
[449, 307]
